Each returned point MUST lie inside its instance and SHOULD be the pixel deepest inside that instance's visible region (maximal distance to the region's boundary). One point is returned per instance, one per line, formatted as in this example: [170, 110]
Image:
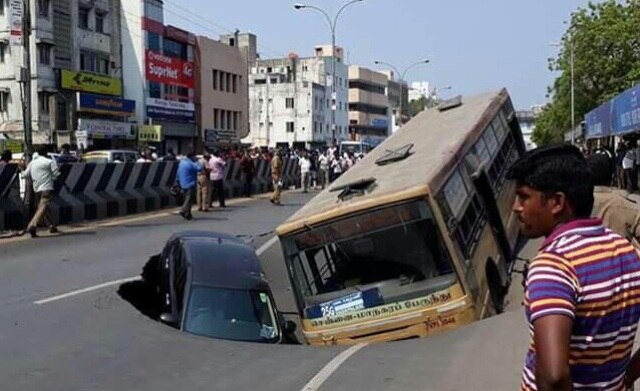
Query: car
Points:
[110, 156]
[211, 284]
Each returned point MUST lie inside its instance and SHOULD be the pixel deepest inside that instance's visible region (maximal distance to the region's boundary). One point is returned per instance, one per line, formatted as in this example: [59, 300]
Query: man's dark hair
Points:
[42, 151]
[191, 154]
[557, 168]
[601, 167]
[65, 147]
[6, 155]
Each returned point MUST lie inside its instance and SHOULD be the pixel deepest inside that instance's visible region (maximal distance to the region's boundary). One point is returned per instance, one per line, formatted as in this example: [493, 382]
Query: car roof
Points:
[200, 234]
[224, 263]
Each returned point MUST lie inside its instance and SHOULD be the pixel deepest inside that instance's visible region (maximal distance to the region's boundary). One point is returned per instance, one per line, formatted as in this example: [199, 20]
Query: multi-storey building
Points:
[291, 100]
[369, 109]
[76, 64]
[159, 75]
[222, 93]
[419, 89]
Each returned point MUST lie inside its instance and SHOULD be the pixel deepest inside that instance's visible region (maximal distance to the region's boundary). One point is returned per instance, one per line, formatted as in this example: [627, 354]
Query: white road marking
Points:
[266, 246]
[85, 290]
[322, 376]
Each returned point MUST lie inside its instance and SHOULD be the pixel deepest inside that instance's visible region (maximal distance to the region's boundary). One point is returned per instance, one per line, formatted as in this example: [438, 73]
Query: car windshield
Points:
[389, 254]
[233, 314]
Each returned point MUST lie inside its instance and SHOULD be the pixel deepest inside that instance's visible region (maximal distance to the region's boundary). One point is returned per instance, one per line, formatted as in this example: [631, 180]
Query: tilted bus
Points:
[417, 237]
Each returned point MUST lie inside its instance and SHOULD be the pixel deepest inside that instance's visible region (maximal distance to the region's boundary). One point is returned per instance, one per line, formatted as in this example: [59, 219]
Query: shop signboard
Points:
[210, 136]
[166, 110]
[169, 70]
[179, 35]
[598, 122]
[150, 133]
[625, 111]
[100, 104]
[82, 139]
[90, 82]
[105, 129]
[379, 122]
[15, 21]
[15, 146]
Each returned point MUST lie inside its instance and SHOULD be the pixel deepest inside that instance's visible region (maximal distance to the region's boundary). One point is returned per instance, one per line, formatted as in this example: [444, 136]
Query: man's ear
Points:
[559, 202]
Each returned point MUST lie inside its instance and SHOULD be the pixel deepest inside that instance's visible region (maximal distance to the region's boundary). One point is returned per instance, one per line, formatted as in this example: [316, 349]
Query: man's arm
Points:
[633, 370]
[54, 169]
[551, 336]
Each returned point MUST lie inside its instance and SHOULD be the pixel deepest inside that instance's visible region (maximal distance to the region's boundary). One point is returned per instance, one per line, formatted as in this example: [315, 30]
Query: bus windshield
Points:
[378, 257]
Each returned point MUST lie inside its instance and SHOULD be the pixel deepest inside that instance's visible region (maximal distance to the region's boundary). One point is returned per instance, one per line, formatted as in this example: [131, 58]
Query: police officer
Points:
[617, 211]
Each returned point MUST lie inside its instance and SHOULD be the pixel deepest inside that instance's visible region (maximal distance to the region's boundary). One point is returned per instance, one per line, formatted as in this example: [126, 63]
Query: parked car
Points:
[110, 156]
[211, 284]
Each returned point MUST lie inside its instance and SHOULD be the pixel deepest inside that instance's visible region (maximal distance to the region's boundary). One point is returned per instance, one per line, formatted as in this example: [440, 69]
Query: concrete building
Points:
[369, 109]
[393, 93]
[291, 103]
[159, 75]
[222, 92]
[419, 89]
[527, 120]
[75, 51]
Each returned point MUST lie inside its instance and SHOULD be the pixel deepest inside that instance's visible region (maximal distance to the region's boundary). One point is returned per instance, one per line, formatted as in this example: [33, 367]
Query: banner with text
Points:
[170, 110]
[105, 129]
[89, 82]
[150, 133]
[16, 11]
[105, 105]
[169, 70]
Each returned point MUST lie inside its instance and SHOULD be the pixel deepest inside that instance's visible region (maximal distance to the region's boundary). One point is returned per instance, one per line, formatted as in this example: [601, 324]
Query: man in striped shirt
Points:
[582, 288]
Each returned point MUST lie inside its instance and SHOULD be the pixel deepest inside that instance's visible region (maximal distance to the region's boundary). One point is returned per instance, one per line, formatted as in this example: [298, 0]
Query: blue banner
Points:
[168, 114]
[625, 111]
[598, 122]
[105, 105]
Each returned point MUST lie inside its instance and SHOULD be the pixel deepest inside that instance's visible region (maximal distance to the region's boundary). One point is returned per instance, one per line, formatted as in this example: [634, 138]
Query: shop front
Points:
[96, 134]
[178, 123]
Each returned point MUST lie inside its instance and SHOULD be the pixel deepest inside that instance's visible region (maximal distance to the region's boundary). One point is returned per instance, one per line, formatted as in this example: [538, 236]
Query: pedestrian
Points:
[628, 165]
[216, 165]
[620, 152]
[204, 186]
[43, 172]
[276, 177]
[581, 286]
[618, 213]
[6, 158]
[336, 167]
[305, 170]
[249, 169]
[65, 155]
[323, 163]
[170, 156]
[188, 170]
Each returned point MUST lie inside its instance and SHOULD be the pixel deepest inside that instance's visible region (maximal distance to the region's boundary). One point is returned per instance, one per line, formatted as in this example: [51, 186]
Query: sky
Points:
[473, 46]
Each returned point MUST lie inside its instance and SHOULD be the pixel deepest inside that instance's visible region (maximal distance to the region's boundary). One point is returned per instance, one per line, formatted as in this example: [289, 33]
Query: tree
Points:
[606, 43]
[418, 105]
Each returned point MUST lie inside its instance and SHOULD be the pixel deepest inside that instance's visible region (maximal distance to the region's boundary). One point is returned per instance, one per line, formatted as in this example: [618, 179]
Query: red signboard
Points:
[169, 70]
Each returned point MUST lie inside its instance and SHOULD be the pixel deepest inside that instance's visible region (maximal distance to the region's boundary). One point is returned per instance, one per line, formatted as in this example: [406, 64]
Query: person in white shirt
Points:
[336, 167]
[305, 169]
[43, 172]
[323, 162]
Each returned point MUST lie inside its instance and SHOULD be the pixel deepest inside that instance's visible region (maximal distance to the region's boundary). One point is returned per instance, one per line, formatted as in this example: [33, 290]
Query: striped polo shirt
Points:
[592, 275]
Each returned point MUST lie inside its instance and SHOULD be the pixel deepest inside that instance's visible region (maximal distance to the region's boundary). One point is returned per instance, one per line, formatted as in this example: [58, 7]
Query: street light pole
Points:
[402, 76]
[332, 26]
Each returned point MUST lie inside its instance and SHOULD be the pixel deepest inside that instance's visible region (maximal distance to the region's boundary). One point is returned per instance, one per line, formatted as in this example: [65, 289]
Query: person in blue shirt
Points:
[188, 170]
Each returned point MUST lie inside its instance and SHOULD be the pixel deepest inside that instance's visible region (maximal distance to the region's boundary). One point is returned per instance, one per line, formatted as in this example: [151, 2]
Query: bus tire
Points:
[497, 290]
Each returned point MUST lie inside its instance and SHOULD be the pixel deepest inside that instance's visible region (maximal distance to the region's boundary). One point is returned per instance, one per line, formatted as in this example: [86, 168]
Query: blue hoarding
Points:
[379, 123]
[105, 105]
[598, 122]
[168, 114]
[625, 111]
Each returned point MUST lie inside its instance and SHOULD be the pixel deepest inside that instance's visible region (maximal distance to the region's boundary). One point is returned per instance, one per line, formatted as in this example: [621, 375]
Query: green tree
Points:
[605, 39]
[418, 105]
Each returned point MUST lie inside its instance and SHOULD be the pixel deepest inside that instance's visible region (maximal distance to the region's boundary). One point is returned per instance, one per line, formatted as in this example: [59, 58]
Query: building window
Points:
[228, 76]
[290, 128]
[155, 90]
[234, 83]
[229, 118]
[2, 5]
[175, 49]
[222, 80]
[153, 41]
[43, 102]
[289, 103]
[3, 50]
[236, 116]
[215, 79]
[44, 54]
[101, 17]
[216, 118]
[4, 101]
[328, 104]
[83, 18]
[94, 62]
[43, 8]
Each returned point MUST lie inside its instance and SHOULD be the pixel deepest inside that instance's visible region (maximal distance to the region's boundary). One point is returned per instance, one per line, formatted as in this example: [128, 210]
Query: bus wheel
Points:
[497, 290]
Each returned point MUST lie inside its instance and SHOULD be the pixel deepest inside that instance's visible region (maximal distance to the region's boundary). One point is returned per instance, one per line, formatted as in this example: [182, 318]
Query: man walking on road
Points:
[305, 171]
[188, 170]
[581, 286]
[43, 173]
[249, 169]
[204, 186]
[276, 176]
[216, 165]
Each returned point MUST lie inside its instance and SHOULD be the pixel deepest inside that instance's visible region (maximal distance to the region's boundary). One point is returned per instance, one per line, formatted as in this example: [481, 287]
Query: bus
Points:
[415, 239]
[355, 147]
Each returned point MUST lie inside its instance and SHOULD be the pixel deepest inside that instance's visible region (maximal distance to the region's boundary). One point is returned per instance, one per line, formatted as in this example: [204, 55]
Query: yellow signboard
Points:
[89, 82]
[15, 146]
[150, 133]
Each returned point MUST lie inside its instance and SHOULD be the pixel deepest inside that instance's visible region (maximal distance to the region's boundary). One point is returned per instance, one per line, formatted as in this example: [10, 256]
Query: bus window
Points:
[396, 251]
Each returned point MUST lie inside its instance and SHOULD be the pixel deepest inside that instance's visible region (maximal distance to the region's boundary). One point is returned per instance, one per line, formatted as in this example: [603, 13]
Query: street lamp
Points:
[332, 24]
[402, 75]
[573, 106]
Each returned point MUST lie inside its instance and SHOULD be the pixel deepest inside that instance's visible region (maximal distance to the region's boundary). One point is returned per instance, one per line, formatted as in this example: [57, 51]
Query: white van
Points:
[110, 156]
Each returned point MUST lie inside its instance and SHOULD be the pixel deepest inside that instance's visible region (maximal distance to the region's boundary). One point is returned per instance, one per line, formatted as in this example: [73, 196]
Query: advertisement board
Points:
[625, 111]
[105, 129]
[15, 21]
[169, 70]
[105, 105]
[379, 123]
[598, 122]
[170, 111]
[150, 133]
[89, 82]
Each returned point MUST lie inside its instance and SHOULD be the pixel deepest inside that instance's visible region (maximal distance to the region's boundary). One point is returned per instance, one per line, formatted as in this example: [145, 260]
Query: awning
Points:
[45, 40]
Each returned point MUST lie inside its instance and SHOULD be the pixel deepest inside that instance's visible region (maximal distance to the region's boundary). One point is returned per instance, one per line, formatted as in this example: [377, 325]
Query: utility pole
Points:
[26, 79]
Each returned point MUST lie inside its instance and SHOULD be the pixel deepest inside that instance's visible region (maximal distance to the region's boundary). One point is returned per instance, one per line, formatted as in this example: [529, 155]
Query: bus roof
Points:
[439, 139]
